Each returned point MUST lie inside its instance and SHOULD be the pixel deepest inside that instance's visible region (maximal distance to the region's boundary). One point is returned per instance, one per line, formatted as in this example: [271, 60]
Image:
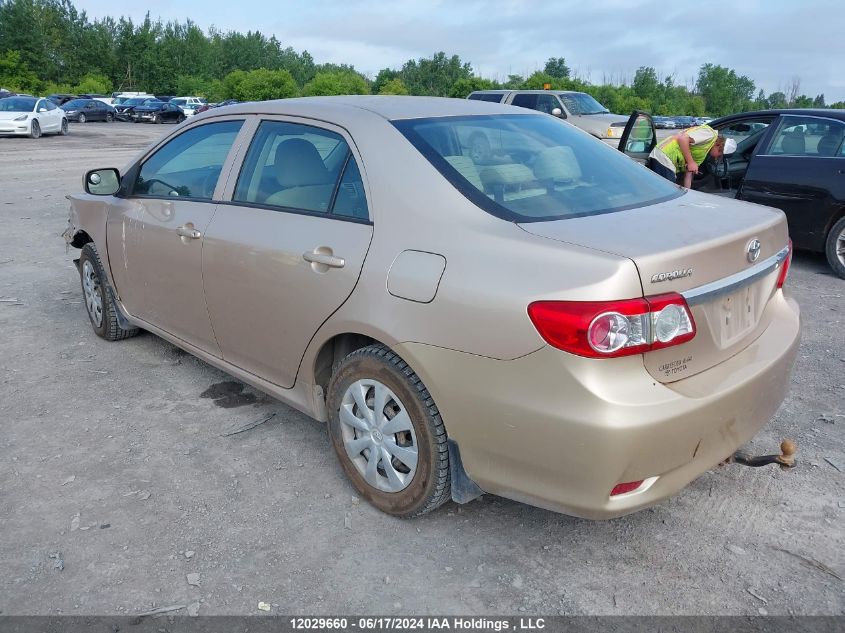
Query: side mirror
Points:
[557, 112]
[102, 182]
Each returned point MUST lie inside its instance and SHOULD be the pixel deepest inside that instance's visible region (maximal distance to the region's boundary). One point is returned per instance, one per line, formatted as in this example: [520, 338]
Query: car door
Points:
[286, 251]
[639, 136]
[156, 230]
[92, 113]
[50, 116]
[727, 173]
[801, 171]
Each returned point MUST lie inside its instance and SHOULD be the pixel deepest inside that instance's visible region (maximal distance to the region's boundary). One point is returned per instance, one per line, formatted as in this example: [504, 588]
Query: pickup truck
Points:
[578, 108]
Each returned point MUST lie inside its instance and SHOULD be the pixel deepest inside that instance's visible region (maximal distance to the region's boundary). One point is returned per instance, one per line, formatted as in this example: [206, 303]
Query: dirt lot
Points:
[117, 484]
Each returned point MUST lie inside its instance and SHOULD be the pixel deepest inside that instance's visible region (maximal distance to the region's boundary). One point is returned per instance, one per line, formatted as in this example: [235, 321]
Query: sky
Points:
[770, 41]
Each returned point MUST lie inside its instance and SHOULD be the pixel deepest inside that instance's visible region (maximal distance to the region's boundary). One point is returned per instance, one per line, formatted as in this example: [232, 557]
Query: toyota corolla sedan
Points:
[548, 321]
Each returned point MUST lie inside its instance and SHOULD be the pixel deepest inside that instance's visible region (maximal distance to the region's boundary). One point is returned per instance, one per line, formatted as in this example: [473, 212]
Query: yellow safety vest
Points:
[699, 152]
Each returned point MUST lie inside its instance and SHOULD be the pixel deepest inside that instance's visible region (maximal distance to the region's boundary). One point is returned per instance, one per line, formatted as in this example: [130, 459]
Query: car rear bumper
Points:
[559, 431]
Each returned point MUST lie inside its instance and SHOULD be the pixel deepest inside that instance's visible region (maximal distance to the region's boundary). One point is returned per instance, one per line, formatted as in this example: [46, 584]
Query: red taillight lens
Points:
[621, 489]
[784, 271]
[617, 328]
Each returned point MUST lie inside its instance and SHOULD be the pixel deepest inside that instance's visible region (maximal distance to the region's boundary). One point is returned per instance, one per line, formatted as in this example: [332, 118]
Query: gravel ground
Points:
[119, 492]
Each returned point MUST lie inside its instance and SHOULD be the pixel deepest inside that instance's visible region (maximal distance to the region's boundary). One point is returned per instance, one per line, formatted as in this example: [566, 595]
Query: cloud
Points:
[769, 41]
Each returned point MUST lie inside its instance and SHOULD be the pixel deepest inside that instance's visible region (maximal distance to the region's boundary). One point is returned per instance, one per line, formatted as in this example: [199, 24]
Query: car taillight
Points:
[784, 271]
[598, 329]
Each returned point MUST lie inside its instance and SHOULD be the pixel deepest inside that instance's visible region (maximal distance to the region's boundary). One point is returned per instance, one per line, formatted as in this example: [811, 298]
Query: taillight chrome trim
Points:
[707, 292]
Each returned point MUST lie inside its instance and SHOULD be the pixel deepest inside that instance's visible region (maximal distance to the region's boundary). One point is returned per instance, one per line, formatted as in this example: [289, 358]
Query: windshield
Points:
[16, 104]
[581, 103]
[530, 168]
[76, 104]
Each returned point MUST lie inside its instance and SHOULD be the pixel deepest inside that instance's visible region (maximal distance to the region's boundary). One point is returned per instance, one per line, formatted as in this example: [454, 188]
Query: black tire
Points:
[35, 130]
[109, 117]
[835, 248]
[108, 328]
[82, 118]
[430, 486]
[156, 118]
[180, 118]
[64, 129]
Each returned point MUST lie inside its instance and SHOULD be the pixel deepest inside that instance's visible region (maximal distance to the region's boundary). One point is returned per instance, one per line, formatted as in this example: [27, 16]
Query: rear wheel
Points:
[835, 248]
[97, 295]
[35, 130]
[82, 118]
[387, 433]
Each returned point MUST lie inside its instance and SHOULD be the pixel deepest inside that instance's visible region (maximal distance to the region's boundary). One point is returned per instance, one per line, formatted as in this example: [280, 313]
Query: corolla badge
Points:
[674, 274]
[752, 250]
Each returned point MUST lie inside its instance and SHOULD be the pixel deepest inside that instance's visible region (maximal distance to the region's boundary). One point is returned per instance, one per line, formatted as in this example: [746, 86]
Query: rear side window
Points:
[485, 96]
[529, 168]
[301, 167]
[807, 136]
[190, 164]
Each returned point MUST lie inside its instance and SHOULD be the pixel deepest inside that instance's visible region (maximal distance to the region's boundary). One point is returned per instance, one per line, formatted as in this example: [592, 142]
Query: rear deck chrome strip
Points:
[705, 293]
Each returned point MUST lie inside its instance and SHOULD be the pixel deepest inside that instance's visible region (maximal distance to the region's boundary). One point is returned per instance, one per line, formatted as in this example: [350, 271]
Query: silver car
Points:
[550, 322]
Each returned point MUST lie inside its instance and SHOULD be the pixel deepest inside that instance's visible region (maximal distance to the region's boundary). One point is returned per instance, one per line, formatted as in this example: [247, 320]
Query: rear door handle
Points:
[326, 259]
[188, 231]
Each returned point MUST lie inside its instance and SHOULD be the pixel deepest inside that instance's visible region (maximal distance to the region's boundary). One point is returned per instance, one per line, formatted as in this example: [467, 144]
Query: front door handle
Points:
[325, 259]
[188, 231]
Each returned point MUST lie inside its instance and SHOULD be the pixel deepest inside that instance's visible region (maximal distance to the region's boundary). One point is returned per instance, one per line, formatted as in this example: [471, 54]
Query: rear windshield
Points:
[179, 102]
[532, 168]
[17, 104]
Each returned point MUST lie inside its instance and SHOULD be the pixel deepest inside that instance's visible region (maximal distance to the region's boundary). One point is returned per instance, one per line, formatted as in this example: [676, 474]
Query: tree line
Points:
[48, 46]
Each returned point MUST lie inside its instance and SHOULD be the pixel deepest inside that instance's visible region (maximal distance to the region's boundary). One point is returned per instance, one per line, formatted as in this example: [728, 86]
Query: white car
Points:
[31, 116]
[189, 105]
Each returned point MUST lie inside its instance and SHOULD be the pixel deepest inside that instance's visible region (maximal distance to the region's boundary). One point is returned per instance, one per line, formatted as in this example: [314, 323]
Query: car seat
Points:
[301, 172]
[793, 143]
[828, 144]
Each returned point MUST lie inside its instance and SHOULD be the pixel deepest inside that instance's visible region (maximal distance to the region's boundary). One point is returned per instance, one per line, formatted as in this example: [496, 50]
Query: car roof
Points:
[554, 92]
[392, 108]
[830, 113]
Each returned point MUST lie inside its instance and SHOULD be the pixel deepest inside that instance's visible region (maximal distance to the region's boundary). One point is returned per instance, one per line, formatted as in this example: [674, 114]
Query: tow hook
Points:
[785, 460]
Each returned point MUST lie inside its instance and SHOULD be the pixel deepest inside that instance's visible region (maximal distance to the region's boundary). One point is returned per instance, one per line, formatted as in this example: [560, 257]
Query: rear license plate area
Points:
[737, 313]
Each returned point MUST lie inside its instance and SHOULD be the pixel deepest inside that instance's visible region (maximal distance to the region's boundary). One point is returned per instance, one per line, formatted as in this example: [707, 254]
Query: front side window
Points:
[525, 100]
[298, 167]
[189, 165]
[534, 167]
[807, 136]
[547, 103]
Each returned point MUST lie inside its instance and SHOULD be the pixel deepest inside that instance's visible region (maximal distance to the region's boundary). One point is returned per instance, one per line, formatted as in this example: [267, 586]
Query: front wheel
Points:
[835, 248]
[180, 118]
[82, 118]
[98, 302]
[156, 118]
[387, 433]
[109, 117]
[35, 130]
[63, 130]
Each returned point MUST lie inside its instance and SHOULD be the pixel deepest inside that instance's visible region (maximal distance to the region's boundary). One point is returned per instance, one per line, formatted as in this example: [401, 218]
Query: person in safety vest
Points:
[678, 157]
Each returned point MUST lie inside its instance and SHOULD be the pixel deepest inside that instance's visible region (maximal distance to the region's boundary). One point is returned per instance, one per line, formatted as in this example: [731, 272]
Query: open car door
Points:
[639, 137]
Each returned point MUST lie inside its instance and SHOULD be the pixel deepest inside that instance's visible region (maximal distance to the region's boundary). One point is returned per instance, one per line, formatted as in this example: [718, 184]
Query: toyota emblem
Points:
[752, 250]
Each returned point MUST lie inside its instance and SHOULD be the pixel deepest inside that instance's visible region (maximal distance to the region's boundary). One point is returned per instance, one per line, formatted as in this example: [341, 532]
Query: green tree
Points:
[514, 82]
[434, 76]
[646, 85]
[723, 90]
[818, 102]
[93, 84]
[556, 67]
[262, 84]
[384, 76]
[393, 87]
[462, 87]
[537, 80]
[338, 82]
[777, 100]
[15, 75]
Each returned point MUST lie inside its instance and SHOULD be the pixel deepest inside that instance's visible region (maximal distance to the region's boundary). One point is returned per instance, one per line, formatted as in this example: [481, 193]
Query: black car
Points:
[123, 111]
[157, 112]
[83, 110]
[61, 99]
[793, 160]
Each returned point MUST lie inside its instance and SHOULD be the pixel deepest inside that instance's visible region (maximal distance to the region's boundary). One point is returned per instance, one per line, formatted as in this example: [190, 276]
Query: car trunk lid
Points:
[696, 245]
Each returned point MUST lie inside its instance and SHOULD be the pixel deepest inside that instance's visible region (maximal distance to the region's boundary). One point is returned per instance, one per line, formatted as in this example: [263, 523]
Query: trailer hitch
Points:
[785, 460]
